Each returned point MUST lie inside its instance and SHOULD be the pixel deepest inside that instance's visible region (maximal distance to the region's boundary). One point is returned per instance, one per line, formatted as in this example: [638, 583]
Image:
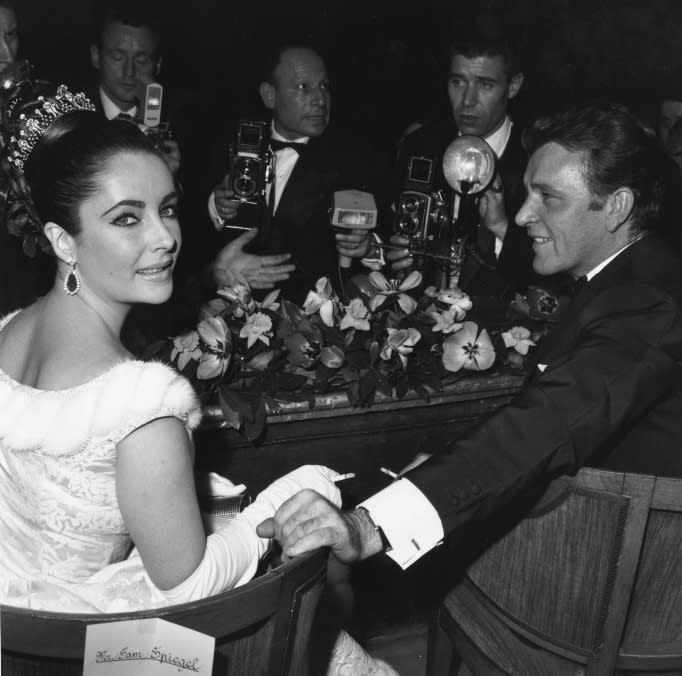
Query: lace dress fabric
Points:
[60, 524]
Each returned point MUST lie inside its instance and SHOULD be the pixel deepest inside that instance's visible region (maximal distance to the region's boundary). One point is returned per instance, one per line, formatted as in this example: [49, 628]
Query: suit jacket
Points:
[610, 396]
[513, 269]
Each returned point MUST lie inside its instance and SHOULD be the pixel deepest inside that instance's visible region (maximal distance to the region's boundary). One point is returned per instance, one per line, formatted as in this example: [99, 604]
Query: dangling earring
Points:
[72, 282]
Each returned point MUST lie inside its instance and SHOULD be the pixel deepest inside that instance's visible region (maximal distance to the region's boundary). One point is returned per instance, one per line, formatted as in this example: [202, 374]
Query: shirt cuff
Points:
[218, 222]
[410, 522]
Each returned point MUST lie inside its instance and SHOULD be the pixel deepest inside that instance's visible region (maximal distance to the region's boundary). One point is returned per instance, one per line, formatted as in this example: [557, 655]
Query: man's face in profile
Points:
[9, 37]
[561, 214]
[126, 57]
[299, 97]
[670, 112]
[479, 89]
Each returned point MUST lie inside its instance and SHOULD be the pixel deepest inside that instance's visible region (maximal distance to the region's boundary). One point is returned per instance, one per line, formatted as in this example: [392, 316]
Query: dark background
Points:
[384, 56]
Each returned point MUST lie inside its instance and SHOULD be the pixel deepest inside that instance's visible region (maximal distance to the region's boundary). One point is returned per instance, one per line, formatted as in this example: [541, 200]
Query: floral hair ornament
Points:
[34, 125]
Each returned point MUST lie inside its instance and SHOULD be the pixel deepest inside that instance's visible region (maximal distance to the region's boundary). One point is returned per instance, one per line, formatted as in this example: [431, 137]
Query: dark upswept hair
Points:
[62, 171]
[620, 151]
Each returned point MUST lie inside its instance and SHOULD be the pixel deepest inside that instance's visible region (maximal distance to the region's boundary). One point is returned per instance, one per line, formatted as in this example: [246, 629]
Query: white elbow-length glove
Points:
[233, 551]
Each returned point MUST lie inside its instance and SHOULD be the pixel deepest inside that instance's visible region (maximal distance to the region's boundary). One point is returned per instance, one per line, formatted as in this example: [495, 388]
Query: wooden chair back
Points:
[261, 628]
[589, 582]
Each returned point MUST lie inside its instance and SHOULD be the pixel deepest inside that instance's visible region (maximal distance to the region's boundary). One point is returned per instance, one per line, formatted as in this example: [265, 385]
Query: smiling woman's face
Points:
[129, 232]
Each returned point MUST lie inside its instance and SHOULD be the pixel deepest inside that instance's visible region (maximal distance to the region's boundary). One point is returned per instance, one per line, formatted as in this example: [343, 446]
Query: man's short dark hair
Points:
[8, 4]
[135, 13]
[487, 35]
[620, 151]
[273, 57]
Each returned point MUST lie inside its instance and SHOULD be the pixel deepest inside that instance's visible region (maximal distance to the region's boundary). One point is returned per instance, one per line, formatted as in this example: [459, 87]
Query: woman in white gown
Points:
[95, 447]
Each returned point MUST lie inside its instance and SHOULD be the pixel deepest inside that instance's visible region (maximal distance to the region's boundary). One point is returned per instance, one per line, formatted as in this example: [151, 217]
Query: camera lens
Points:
[408, 224]
[409, 205]
[244, 186]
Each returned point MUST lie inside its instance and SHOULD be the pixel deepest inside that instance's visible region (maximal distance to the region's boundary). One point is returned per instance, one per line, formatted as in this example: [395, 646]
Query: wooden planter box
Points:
[389, 434]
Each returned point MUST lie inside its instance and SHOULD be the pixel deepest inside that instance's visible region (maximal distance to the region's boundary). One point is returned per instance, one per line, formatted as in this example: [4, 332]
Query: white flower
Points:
[400, 341]
[459, 302]
[186, 347]
[323, 299]
[391, 287]
[519, 338]
[240, 295]
[446, 321]
[468, 349]
[356, 316]
[216, 336]
[256, 327]
[269, 302]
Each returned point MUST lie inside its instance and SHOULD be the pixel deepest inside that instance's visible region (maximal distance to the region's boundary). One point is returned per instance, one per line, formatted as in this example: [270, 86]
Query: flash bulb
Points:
[468, 164]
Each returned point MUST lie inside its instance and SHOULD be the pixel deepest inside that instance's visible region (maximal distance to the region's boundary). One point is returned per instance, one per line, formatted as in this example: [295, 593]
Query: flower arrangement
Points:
[251, 355]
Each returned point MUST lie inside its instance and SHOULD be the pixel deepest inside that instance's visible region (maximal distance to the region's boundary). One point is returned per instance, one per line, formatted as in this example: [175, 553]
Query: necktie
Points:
[276, 145]
[124, 116]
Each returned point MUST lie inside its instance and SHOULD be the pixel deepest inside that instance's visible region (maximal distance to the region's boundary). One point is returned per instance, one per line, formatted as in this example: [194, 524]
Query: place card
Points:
[148, 647]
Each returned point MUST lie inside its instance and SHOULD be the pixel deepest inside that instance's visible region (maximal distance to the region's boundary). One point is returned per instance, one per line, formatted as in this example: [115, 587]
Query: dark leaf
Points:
[232, 418]
[253, 430]
[237, 403]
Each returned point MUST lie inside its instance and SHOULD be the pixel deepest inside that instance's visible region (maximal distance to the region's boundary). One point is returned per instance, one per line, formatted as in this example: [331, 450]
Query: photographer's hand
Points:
[400, 259]
[225, 204]
[171, 153]
[261, 272]
[353, 243]
[492, 210]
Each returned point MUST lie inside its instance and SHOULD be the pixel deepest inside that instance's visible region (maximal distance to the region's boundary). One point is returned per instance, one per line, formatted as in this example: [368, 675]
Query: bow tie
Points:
[577, 285]
[276, 145]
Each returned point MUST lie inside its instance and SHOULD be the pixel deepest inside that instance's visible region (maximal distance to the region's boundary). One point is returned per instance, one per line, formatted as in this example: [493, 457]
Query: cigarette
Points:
[393, 475]
[343, 477]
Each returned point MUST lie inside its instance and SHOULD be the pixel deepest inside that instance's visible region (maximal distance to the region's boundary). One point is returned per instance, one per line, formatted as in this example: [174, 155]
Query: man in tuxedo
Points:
[484, 76]
[296, 245]
[606, 388]
[126, 52]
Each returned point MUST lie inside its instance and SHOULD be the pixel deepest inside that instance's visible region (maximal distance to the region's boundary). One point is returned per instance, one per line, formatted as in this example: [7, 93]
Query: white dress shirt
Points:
[111, 110]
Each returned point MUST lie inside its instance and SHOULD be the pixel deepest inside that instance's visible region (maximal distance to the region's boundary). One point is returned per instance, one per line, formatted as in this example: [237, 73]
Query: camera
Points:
[421, 211]
[149, 116]
[249, 162]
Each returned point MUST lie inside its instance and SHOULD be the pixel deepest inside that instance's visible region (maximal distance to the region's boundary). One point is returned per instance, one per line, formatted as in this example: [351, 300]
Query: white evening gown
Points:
[63, 543]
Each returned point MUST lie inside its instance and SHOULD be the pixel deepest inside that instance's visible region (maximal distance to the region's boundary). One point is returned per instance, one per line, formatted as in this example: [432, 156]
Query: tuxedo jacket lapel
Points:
[562, 337]
[307, 186]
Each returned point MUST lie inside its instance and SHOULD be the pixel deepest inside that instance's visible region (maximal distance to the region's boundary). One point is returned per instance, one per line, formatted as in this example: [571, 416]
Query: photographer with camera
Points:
[484, 75]
[295, 244]
[126, 51]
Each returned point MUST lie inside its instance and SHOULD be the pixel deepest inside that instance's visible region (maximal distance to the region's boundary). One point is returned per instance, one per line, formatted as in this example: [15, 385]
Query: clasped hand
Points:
[308, 521]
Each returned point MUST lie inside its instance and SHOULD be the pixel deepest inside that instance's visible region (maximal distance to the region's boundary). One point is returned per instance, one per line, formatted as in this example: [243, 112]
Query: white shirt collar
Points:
[278, 137]
[604, 263]
[498, 139]
[111, 110]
